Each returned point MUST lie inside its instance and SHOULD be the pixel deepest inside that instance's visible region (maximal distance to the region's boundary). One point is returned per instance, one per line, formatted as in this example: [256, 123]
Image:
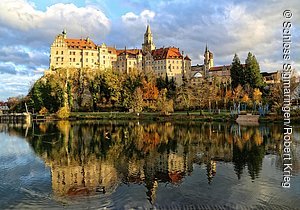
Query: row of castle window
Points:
[73, 53]
[74, 60]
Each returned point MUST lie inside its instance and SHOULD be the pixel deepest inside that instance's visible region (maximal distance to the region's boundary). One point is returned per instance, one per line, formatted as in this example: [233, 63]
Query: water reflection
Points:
[87, 158]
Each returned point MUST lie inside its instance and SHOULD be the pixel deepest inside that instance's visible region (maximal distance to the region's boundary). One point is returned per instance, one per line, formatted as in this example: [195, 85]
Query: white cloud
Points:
[15, 85]
[131, 18]
[23, 16]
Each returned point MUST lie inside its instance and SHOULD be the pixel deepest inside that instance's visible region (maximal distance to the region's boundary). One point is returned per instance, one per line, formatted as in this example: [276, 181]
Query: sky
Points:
[28, 28]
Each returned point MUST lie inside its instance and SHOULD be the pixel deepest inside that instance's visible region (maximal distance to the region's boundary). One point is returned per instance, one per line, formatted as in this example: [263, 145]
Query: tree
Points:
[137, 100]
[237, 73]
[63, 112]
[238, 93]
[164, 105]
[257, 95]
[252, 72]
[150, 91]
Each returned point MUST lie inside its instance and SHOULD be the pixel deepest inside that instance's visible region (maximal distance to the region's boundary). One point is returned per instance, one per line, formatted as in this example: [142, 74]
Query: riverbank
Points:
[176, 116]
[153, 116]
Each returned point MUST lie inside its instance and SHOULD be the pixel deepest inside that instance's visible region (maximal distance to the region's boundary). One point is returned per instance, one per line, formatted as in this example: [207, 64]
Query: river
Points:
[146, 165]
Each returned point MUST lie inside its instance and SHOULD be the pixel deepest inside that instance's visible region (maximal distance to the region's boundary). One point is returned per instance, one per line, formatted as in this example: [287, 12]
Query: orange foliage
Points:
[150, 91]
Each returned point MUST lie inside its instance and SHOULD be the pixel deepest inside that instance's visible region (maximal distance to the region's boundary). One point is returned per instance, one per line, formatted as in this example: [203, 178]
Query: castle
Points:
[84, 53]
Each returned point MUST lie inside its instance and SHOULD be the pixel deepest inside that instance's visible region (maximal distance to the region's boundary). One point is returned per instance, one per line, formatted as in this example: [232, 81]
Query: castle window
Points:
[73, 59]
[62, 52]
[70, 53]
[92, 54]
[70, 59]
[56, 52]
[87, 60]
[103, 62]
[86, 53]
[73, 53]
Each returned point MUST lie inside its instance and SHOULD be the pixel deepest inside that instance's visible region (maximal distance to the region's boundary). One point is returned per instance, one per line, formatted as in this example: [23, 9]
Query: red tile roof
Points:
[112, 50]
[81, 44]
[166, 53]
[219, 68]
[128, 51]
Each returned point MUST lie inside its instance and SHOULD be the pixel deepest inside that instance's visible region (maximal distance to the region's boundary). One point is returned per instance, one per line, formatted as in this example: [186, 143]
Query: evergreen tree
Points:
[237, 72]
[252, 72]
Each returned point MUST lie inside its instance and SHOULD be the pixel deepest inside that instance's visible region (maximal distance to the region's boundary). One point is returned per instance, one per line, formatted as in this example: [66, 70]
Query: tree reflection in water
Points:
[95, 157]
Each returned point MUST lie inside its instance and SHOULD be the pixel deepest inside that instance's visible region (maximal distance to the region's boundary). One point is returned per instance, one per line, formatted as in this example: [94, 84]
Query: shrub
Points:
[63, 112]
[43, 111]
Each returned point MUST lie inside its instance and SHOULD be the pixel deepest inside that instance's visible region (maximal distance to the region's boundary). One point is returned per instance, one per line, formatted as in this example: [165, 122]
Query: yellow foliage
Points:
[43, 111]
[245, 99]
[257, 95]
[63, 112]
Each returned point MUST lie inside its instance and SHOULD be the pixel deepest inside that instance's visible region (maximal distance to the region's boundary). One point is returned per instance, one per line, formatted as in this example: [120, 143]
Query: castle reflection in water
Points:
[96, 157]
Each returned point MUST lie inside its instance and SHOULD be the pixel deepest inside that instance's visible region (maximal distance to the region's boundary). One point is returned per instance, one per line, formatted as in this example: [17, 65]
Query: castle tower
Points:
[208, 60]
[148, 44]
[64, 33]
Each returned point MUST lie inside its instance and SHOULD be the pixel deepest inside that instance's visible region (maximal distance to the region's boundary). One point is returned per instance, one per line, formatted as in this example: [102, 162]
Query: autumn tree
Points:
[137, 101]
[185, 96]
[257, 96]
[238, 93]
[164, 105]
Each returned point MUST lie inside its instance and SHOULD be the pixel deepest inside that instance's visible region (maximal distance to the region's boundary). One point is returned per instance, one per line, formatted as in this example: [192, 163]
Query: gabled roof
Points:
[187, 58]
[81, 44]
[166, 53]
[129, 51]
[112, 50]
[265, 74]
[220, 68]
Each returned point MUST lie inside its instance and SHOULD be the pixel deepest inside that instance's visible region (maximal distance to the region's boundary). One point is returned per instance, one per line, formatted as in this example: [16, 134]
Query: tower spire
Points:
[148, 44]
[148, 31]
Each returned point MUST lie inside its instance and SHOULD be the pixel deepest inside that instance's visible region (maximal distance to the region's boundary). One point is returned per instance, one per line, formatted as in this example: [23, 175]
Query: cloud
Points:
[16, 85]
[130, 19]
[7, 68]
[129, 29]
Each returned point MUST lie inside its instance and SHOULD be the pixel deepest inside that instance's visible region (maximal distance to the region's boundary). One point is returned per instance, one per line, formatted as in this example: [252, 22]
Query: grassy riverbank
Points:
[177, 116]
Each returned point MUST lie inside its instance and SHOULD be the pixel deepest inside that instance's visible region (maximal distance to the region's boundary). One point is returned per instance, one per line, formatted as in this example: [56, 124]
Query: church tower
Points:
[148, 44]
[208, 58]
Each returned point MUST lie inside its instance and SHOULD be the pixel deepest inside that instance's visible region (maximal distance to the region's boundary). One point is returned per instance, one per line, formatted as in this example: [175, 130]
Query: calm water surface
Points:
[134, 165]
